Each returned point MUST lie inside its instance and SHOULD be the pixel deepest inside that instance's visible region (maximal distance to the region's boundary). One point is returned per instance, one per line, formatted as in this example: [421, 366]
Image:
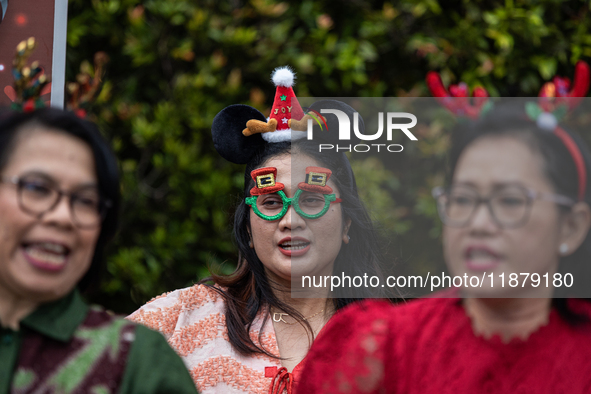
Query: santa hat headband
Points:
[556, 98]
[240, 131]
[286, 108]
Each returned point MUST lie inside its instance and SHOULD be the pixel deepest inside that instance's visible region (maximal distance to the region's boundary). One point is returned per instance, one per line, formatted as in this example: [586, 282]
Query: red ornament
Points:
[29, 105]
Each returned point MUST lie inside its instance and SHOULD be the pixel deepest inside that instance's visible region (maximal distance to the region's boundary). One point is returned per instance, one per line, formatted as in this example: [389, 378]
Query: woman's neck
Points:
[13, 309]
[305, 306]
[508, 317]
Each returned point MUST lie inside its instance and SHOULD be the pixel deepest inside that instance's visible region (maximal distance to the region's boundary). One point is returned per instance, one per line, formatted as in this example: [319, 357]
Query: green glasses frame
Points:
[328, 199]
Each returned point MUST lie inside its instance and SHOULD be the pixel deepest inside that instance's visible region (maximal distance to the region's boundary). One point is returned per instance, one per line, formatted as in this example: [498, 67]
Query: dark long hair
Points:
[12, 124]
[248, 289]
[559, 169]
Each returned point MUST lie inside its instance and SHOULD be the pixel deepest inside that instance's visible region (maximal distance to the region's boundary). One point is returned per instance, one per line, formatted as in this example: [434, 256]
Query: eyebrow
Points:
[51, 179]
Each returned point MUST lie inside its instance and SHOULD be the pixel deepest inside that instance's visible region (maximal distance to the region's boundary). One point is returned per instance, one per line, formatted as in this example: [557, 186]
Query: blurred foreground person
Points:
[59, 200]
[516, 201]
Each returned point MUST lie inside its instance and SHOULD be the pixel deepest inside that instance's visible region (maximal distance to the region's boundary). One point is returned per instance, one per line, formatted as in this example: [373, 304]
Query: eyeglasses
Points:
[509, 206]
[274, 206]
[37, 196]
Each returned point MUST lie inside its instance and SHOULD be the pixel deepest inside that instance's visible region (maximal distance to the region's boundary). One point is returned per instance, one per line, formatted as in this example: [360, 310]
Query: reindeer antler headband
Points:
[555, 100]
[457, 99]
[30, 82]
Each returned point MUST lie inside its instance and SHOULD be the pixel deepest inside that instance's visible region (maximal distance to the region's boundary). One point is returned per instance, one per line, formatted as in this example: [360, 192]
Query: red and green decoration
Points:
[558, 98]
[83, 92]
[30, 82]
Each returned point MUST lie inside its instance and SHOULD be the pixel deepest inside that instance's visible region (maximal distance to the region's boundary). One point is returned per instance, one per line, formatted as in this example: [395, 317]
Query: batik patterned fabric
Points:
[193, 321]
[92, 362]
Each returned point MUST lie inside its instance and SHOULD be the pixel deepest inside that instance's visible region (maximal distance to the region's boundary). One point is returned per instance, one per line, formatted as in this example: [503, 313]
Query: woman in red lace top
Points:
[517, 201]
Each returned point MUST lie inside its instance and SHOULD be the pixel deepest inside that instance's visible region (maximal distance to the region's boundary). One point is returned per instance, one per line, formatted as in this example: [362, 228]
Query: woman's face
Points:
[43, 258]
[293, 245]
[483, 246]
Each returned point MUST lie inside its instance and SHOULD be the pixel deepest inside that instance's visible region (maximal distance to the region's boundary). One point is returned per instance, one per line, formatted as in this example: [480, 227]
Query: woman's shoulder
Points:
[163, 312]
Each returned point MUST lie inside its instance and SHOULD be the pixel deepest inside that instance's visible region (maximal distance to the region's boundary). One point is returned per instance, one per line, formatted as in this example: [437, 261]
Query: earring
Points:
[347, 240]
[563, 249]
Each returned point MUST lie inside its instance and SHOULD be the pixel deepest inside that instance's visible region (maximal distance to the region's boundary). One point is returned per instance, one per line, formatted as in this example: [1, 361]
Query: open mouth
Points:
[294, 247]
[47, 256]
[481, 258]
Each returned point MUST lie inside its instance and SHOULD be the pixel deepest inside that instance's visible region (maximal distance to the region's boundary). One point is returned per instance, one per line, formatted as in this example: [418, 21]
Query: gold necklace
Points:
[278, 317]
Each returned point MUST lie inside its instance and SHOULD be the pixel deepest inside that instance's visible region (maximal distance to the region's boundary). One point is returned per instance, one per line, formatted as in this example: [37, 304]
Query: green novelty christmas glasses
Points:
[309, 205]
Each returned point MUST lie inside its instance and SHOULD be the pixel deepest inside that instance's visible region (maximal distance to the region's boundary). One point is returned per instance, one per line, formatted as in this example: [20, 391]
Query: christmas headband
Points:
[555, 100]
[240, 131]
[457, 99]
[31, 83]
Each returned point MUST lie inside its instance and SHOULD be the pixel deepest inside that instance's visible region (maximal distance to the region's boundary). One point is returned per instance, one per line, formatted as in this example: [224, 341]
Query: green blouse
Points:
[149, 364]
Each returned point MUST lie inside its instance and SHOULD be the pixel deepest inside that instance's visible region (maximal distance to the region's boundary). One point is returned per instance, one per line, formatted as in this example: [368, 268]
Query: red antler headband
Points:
[457, 100]
[555, 100]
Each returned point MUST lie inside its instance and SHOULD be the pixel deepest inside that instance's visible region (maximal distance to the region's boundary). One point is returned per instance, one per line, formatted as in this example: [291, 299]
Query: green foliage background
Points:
[176, 63]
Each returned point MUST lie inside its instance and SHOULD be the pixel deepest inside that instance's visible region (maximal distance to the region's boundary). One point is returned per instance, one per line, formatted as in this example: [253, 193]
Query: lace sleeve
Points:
[352, 353]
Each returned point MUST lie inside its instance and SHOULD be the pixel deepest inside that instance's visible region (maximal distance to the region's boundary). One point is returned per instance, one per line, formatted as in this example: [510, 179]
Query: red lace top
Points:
[428, 346]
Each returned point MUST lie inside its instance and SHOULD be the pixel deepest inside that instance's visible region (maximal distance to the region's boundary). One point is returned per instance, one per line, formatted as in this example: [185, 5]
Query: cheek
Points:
[451, 239]
[13, 225]
[329, 232]
[88, 240]
[540, 237]
[261, 231]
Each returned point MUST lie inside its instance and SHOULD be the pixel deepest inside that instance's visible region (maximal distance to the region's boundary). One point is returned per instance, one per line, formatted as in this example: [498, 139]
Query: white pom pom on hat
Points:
[283, 76]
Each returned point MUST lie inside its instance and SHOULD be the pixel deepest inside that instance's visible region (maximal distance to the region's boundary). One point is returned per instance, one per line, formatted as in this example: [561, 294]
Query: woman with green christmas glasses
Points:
[300, 215]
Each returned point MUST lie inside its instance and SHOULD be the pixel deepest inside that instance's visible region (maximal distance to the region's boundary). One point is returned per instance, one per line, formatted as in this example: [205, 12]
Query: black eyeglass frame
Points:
[104, 204]
[532, 195]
